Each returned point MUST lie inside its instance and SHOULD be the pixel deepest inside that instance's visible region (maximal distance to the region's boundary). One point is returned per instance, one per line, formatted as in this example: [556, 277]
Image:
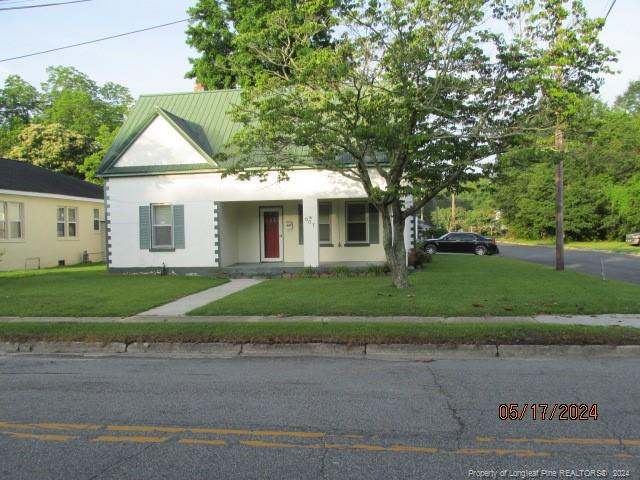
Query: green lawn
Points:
[605, 246]
[90, 291]
[345, 333]
[451, 285]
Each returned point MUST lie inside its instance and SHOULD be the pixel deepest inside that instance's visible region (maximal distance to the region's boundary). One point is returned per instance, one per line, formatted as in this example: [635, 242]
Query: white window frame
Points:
[347, 222]
[75, 222]
[4, 206]
[153, 225]
[96, 219]
[65, 222]
[329, 241]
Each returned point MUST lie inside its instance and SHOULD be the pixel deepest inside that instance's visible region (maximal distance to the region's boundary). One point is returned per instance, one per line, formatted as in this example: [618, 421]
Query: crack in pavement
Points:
[122, 461]
[452, 410]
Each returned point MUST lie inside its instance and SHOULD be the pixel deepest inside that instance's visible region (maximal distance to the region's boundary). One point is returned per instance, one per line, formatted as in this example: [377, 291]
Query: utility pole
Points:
[559, 147]
[452, 222]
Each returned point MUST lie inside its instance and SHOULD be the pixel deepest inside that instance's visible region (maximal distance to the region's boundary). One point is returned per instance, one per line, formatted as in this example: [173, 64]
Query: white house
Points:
[167, 202]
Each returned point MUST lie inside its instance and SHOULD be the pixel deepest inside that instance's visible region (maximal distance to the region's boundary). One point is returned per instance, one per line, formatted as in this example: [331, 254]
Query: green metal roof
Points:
[200, 117]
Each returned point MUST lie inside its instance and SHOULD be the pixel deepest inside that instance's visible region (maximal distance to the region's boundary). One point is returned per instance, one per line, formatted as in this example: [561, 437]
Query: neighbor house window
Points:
[96, 219]
[72, 222]
[11, 220]
[67, 222]
[324, 222]
[62, 222]
[161, 226]
[357, 222]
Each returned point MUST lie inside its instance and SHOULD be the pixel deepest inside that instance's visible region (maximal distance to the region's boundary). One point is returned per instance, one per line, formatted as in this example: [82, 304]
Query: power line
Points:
[44, 5]
[609, 11]
[94, 41]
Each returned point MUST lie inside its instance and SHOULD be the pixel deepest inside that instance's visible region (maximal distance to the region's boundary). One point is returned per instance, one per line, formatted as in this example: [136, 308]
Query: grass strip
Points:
[451, 285]
[91, 291]
[307, 332]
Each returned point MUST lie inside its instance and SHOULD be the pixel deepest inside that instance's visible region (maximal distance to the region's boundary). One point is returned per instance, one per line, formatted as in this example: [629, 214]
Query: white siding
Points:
[238, 220]
[160, 144]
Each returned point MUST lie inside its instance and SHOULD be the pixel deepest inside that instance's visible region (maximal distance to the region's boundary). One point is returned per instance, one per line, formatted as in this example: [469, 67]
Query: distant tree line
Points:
[66, 126]
[602, 180]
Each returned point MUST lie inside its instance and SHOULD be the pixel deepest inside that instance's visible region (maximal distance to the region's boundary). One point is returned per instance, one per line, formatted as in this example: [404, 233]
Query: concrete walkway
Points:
[622, 320]
[185, 304]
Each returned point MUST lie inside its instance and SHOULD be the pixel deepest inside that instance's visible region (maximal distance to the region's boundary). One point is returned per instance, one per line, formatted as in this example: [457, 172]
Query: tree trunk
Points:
[394, 244]
[559, 146]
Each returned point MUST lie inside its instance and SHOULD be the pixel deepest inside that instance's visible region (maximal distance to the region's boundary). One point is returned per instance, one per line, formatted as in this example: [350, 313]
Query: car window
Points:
[454, 237]
[468, 237]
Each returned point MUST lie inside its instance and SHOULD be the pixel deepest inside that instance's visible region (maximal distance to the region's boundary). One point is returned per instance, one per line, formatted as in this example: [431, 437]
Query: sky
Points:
[156, 61]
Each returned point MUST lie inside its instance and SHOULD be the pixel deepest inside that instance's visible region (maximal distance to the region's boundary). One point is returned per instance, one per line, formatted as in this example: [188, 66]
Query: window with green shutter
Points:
[145, 227]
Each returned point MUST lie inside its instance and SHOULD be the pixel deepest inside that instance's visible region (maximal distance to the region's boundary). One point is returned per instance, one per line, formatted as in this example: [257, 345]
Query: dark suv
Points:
[462, 242]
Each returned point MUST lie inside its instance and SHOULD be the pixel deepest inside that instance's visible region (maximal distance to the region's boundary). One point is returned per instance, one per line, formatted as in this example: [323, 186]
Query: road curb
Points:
[372, 351]
[429, 351]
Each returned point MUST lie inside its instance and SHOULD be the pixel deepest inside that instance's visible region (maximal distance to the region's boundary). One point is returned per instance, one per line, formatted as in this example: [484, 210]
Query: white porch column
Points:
[408, 227]
[310, 232]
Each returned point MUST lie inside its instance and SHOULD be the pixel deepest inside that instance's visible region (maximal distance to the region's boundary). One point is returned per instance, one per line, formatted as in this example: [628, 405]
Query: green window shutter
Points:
[374, 224]
[300, 227]
[178, 226]
[145, 227]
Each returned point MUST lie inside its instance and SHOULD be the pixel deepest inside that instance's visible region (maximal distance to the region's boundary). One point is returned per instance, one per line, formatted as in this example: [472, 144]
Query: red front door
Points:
[271, 235]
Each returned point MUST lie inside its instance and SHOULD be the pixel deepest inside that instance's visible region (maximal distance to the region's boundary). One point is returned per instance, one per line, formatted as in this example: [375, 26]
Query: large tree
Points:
[71, 114]
[232, 36]
[53, 147]
[557, 56]
[19, 104]
[405, 102]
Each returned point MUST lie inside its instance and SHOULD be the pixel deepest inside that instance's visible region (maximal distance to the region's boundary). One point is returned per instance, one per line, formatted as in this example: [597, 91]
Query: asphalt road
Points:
[616, 266]
[308, 418]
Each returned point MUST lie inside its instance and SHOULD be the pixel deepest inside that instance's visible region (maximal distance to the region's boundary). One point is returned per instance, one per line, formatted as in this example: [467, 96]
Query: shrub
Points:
[342, 271]
[417, 258]
[310, 272]
[377, 270]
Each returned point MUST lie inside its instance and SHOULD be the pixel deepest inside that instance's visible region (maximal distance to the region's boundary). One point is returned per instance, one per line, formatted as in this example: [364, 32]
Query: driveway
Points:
[616, 266]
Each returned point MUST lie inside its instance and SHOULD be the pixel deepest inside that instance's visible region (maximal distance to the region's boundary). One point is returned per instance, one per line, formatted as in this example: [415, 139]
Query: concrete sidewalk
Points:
[185, 304]
[622, 320]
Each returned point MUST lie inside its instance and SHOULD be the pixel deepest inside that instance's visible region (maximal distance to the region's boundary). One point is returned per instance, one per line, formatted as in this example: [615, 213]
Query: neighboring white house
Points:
[167, 202]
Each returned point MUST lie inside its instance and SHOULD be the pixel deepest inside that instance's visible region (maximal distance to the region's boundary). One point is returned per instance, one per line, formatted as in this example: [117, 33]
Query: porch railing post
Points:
[310, 230]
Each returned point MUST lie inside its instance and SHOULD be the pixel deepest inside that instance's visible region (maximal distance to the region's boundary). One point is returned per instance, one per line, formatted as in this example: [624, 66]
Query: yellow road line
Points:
[197, 441]
[623, 455]
[261, 444]
[498, 451]
[67, 426]
[266, 433]
[127, 439]
[46, 438]
[395, 448]
[576, 441]
[630, 442]
[50, 426]
[215, 431]
[161, 429]
[142, 428]
[565, 440]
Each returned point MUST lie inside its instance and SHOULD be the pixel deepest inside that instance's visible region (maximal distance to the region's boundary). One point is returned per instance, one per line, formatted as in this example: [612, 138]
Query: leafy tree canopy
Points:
[403, 96]
[629, 101]
[52, 146]
[78, 110]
